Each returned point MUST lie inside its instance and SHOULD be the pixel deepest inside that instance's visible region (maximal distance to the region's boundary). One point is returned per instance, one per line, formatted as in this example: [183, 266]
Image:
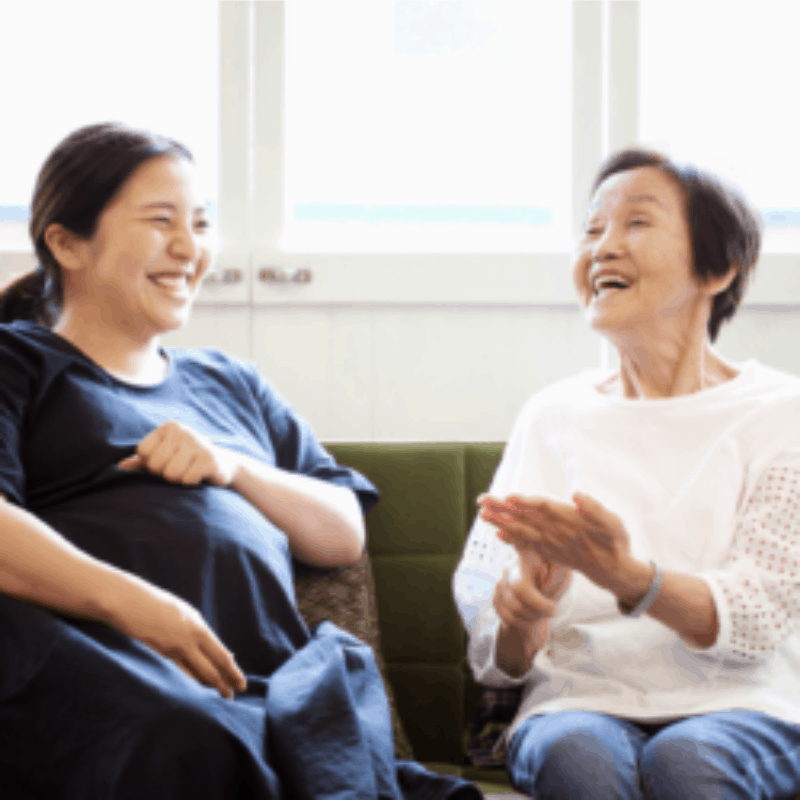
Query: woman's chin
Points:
[168, 322]
[599, 320]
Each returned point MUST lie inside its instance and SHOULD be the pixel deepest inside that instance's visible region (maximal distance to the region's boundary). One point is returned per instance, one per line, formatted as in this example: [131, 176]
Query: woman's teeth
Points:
[170, 281]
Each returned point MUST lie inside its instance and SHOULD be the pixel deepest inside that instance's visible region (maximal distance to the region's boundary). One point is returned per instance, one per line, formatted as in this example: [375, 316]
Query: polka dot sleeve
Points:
[756, 591]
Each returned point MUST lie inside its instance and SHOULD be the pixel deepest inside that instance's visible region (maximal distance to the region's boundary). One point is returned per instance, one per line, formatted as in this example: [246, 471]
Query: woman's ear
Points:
[65, 246]
[717, 284]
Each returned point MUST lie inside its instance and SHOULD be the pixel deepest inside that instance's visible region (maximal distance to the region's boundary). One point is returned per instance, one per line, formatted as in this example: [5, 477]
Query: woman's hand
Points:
[182, 455]
[531, 599]
[176, 630]
[525, 607]
[586, 537]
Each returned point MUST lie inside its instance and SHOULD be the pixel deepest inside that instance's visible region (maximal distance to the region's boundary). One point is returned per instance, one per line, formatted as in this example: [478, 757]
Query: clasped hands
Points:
[553, 539]
[180, 454]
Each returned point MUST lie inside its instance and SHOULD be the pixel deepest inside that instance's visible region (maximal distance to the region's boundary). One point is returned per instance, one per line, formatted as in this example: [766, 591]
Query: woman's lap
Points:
[730, 755]
[100, 707]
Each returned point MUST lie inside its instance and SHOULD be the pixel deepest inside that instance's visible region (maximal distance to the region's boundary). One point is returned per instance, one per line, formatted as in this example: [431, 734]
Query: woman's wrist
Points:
[630, 580]
[517, 647]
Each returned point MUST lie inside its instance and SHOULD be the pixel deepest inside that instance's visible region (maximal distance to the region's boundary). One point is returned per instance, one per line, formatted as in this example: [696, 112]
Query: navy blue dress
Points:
[86, 712]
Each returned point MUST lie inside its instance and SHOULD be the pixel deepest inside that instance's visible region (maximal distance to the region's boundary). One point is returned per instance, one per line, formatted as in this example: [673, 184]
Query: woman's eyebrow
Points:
[644, 198]
[172, 207]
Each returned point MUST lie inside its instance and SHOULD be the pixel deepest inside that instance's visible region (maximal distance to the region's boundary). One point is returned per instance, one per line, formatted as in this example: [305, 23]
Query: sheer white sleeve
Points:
[482, 564]
[485, 557]
[756, 590]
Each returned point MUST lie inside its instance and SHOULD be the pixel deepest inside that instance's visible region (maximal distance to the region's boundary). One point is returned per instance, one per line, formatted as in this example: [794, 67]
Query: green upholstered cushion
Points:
[415, 537]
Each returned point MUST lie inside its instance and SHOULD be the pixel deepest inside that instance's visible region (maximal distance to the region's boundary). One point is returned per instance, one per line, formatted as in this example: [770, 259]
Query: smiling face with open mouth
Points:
[633, 267]
[152, 247]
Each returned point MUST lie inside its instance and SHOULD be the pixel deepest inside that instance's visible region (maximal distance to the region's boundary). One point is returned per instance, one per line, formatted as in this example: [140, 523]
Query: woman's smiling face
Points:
[151, 249]
[633, 267]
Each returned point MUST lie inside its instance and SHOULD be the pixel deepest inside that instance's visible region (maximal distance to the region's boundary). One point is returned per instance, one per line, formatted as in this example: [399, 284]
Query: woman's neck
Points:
[132, 359]
[643, 377]
[670, 366]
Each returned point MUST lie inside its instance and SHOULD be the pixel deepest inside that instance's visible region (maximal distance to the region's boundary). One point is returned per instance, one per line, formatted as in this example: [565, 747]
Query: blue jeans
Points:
[731, 755]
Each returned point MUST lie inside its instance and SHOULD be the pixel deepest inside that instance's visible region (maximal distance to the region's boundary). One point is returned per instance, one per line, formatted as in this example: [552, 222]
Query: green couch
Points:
[415, 536]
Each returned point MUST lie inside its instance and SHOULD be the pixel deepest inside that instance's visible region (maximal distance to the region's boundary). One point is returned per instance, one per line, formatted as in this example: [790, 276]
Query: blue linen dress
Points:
[87, 712]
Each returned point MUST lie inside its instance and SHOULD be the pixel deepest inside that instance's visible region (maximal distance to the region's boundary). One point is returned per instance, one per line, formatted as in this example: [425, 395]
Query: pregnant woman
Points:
[153, 501]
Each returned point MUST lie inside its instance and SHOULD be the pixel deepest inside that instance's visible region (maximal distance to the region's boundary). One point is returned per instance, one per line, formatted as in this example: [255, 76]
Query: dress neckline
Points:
[66, 344]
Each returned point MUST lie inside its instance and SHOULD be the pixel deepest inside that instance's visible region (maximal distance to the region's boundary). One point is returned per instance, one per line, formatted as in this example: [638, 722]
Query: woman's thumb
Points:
[131, 463]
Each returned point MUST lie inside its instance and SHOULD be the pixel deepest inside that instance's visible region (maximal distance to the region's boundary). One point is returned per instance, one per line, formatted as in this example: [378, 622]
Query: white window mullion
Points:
[587, 98]
[231, 284]
[623, 74]
[268, 123]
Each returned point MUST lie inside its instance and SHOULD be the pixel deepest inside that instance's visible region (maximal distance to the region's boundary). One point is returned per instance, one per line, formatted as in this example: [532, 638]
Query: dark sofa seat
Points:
[415, 537]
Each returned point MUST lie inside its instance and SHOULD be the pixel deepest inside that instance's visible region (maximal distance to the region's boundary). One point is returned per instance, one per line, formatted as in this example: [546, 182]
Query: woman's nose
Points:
[186, 243]
[608, 245]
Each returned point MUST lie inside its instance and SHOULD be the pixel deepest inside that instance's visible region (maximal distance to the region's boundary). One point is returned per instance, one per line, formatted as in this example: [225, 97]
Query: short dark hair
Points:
[78, 180]
[725, 231]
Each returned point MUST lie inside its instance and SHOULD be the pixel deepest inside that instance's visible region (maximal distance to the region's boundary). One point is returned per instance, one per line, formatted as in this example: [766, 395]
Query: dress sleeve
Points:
[756, 591]
[298, 450]
[16, 377]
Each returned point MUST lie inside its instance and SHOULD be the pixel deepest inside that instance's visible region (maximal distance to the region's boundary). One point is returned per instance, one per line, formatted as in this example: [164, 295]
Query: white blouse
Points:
[706, 484]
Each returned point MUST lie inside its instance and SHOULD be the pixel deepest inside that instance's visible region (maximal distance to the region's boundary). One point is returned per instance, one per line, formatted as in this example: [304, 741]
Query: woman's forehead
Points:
[163, 180]
[643, 185]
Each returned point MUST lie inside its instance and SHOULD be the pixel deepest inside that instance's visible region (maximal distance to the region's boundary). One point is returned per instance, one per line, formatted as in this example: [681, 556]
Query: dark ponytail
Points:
[27, 298]
[75, 185]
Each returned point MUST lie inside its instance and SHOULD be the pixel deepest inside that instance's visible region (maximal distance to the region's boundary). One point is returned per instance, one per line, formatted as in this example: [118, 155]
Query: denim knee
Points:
[682, 766]
[573, 754]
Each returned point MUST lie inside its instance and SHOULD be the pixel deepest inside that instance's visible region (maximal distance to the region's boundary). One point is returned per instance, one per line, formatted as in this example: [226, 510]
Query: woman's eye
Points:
[638, 222]
[203, 223]
[161, 219]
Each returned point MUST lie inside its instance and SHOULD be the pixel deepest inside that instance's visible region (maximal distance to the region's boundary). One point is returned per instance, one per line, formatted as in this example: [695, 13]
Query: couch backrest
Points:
[415, 537]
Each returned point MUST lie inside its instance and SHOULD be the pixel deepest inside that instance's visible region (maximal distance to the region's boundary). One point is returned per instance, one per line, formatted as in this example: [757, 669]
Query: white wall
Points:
[438, 372]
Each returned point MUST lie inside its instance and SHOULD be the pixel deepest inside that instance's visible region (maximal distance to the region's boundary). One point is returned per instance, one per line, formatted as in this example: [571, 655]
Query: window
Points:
[152, 64]
[718, 90]
[428, 126]
[455, 139]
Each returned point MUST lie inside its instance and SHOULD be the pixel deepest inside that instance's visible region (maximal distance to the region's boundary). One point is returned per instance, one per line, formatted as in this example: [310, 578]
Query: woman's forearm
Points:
[684, 603]
[322, 521]
[39, 565]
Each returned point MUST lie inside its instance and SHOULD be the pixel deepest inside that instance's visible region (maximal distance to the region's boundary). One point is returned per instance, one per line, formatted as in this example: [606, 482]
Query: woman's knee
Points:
[680, 765]
[574, 754]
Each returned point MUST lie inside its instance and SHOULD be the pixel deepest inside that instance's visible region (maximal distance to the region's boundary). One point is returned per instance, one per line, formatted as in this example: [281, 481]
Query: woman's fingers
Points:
[203, 670]
[225, 664]
[182, 455]
[520, 604]
[209, 662]
[196, 471]
[594, 511]
[161, 455]
[533, 603]
[178, 631]
[132, 463]
[178, 464]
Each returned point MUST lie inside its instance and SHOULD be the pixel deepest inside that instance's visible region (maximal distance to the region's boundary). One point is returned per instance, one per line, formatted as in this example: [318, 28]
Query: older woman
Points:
[150, 644]
[636, 560]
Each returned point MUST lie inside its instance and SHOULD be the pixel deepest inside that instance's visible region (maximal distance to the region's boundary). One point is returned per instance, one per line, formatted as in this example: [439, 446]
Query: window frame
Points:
[605, 107]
